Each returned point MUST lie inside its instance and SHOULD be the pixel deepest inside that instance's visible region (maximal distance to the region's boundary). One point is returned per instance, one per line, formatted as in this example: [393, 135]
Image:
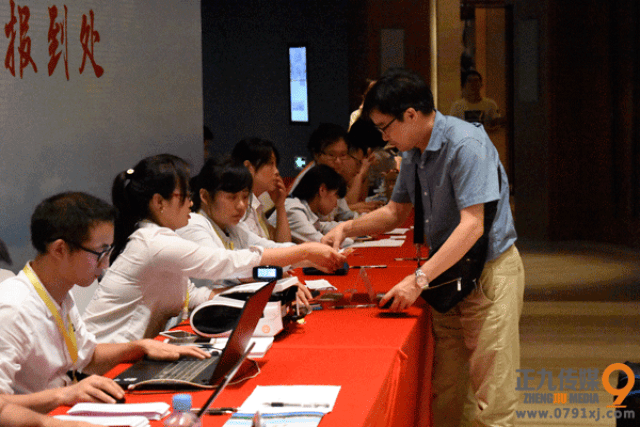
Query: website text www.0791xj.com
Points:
[577, 413]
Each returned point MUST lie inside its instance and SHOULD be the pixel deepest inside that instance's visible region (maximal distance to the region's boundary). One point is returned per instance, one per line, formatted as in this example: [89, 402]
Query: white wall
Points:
[59, 134]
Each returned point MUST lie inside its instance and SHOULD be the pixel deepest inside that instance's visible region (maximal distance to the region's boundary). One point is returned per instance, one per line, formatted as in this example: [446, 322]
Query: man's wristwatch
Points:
[421, 280]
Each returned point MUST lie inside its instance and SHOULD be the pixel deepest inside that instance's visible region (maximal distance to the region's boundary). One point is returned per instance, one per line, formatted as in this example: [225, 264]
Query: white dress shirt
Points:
[252, 219]
[148, 282]
[203, 231]
[5, 274]
[33, 352]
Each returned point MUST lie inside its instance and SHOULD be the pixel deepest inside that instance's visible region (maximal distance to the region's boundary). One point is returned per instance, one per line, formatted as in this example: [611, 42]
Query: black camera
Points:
[267, 273]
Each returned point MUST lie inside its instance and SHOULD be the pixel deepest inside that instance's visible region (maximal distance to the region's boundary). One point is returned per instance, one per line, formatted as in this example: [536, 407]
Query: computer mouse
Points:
[387, 304]
[121, 400]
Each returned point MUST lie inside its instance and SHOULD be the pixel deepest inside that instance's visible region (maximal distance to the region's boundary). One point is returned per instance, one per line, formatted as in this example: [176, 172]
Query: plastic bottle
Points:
[181, 415]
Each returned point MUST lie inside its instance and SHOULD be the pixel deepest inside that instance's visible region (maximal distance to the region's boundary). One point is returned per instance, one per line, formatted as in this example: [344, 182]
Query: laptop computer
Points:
[200, 373]
[225, 381]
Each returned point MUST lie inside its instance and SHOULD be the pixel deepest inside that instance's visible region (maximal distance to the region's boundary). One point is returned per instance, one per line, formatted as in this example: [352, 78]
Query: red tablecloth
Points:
[382, 361]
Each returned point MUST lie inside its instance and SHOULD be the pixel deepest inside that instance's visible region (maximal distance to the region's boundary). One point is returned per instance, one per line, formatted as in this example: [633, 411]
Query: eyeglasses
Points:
[334, 157]
[383, 129]
[101, 255]
[357, 160]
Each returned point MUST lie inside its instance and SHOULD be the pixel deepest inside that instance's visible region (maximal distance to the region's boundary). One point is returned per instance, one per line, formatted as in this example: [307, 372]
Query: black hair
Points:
[397, 90]
[325, 135]
[464, 76]
[364, 135]
[257, 150]
[133, 189]
[220, 175]
[309, 184]
[68, 216]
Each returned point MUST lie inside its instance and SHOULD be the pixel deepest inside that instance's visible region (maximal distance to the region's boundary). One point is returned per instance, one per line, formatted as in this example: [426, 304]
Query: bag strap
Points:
[480, 247]
[418, 217]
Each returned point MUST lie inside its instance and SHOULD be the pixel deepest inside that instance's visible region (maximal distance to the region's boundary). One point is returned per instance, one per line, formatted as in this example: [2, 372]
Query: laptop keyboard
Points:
[185, 370]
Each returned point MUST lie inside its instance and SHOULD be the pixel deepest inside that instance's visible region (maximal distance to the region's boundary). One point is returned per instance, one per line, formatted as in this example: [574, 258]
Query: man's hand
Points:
[279, 194]
[159, 350]
[336, 235]
[323, 256]
[404, 294]
[95, 388]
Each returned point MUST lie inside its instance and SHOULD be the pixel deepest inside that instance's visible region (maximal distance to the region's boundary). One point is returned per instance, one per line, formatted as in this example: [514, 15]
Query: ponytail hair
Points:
[133, 189]
[257, 151]
[310, 183]
[220, 175]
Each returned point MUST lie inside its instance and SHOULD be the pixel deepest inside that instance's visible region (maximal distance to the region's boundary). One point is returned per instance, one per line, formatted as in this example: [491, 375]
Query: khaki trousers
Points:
[477, 350]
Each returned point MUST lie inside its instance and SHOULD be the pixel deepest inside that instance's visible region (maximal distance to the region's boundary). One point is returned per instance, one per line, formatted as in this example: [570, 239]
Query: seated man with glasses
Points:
[43, 340]
[328, 146]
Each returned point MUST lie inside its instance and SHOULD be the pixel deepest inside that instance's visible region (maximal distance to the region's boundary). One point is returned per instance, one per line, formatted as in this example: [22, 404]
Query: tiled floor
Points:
[581, 311]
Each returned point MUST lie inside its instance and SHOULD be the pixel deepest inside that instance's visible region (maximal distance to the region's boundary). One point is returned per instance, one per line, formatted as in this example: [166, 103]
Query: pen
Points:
[411, 259]
[216, 411]
[369, 266]
[303, 405]
[339, 307]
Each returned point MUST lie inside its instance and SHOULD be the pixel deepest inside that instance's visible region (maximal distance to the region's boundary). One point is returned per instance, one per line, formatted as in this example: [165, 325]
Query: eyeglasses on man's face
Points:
[102, 255]
[384, 128]
[333, 156]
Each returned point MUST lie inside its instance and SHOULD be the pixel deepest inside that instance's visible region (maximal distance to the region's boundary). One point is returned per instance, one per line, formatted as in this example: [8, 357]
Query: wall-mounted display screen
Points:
[298, 84]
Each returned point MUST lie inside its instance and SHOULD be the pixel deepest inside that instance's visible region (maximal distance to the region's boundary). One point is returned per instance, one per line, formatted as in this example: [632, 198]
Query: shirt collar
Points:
[313, 218]
[435, 140]
[255, 202]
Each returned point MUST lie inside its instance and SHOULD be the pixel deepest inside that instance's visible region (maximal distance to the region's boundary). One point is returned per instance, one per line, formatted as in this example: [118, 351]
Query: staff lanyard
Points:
[262, 221]
[185, 309]
[68, 333]
[226, 241]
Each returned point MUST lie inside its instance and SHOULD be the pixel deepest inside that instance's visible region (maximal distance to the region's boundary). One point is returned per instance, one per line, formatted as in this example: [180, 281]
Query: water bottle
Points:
[181, 415]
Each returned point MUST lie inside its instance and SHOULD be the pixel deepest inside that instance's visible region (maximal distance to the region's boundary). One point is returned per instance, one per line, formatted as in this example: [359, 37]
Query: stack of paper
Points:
[382, 243]
[107, 421]
[320, 285]
[300, 405]
[150, 411]
[397, 231]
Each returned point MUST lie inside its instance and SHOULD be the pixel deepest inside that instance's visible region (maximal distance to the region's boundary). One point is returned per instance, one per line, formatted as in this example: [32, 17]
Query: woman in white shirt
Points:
[315, 196]
[222, 191]
[148, 282]
[261, 159]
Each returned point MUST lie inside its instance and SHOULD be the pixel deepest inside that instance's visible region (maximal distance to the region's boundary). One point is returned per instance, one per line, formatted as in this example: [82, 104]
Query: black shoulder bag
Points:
[453, 285]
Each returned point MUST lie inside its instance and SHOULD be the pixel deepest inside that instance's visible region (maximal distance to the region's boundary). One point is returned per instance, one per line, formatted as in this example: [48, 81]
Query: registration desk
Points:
[380, 360]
